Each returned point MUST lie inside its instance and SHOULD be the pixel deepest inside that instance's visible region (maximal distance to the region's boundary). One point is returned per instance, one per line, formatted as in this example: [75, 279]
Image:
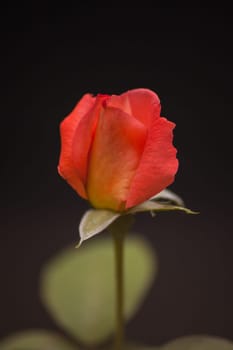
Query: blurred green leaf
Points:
[130, 346]
[36, 340]
[95, 221]
[139, 347]
[78, 286]
[199, 343]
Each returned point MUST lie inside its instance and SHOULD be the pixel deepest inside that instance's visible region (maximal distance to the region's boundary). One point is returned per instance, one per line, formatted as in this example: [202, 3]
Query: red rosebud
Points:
[116, 151]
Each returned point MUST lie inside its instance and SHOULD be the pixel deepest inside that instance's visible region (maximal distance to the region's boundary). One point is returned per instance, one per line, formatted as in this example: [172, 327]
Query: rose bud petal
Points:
[116, 151]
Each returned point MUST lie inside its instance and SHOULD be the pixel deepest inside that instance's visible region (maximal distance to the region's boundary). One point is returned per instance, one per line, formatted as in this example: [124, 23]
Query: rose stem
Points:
[119, 264]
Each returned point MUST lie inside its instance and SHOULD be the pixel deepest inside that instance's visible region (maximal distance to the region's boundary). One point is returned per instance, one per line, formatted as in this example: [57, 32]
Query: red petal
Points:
[158, 164]
[143, 104]
[66, 167]
[115, 154]
[83, 137]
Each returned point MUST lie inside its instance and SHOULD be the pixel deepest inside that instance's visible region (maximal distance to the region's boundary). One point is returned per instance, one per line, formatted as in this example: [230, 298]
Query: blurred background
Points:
[51, 56]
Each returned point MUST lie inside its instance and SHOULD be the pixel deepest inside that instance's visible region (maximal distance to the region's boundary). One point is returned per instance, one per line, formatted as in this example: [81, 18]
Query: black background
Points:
[51, 56]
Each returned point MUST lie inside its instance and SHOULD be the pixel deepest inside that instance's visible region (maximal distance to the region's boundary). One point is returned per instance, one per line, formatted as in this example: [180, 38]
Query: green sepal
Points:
[94, 221]
[154, 207]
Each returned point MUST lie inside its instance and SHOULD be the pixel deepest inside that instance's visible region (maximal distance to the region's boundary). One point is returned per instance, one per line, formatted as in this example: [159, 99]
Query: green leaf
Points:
[78, 286]
[36, 340]
[95, 221]
[199, 343]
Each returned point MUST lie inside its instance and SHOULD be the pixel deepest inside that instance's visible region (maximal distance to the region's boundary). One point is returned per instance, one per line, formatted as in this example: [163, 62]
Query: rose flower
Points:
[116, 150]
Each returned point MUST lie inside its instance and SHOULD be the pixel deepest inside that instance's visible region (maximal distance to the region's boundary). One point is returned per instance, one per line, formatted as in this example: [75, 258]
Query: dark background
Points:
[50, 58]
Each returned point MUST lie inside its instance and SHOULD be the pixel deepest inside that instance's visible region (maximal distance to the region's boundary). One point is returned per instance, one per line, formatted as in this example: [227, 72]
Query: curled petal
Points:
[158, 164]
[83, 137]
[143, 104]
[66, 166]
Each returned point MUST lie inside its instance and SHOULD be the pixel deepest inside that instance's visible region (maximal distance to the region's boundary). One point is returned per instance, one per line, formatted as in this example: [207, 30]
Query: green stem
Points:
[119, 265]
[119, 229]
